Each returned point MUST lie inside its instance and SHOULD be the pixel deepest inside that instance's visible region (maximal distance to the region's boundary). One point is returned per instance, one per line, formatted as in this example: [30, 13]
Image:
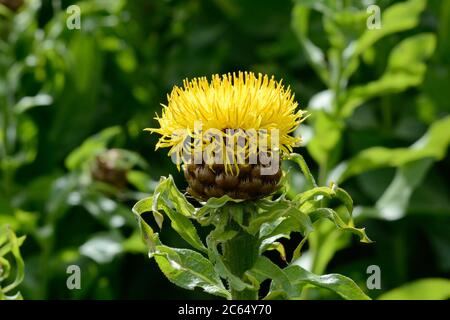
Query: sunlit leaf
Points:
[341, 285]
[423, 289]
[167, 196]
[189, 269]
[169, 193]
[102, 248]
[30, 102]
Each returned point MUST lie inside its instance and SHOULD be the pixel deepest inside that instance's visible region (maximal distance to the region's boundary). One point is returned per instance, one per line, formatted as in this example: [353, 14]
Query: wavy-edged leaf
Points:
[314, 193]
[147, 233]
[310, 202]
[219, 266]
[189, 269]
[168, 191]
[339, 284]
[180, 223]
[300, 161]
[342, 285]
[340, 223]
[213, 204]
[264, 269]
[281, 209]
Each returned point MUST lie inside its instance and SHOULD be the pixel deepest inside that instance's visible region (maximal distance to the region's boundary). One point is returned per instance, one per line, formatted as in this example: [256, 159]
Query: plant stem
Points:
[323, 172]
[240, 254]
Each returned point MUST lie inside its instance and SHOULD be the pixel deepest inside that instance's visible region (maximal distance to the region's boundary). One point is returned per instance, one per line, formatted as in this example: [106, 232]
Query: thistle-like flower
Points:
[230, 133]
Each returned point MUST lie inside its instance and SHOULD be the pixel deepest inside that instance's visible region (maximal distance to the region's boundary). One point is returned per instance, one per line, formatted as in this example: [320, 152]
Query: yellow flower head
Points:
[242, 102]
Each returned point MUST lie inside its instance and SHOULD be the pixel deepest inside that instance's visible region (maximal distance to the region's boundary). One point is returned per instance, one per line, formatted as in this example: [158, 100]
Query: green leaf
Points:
[333, 216]
[296, 254]
[27, 140]
[265, 269]
[184, 227]
[300, 161]
[27, 103]
[91, 147]
[343, 286]
[134, 244]
[300, 19]
[406, 68]
[278, 246]
[102, 248]
[82, 70]
[344, 27]
[392, 205]
[165, 197]
[290, 281]
[141, 181]
[213, 204]
[309, 203]
[327, 7]
[9, 243]
[168, 192]
[280, 209]
[219, 266]
[149, 237]
[346, 199]
[189, 269]
[324, 243]
[423, 289]
[327, 133]
[112, 214]
[396, 18]
[327, 192]
[180, 223]
[431, 145]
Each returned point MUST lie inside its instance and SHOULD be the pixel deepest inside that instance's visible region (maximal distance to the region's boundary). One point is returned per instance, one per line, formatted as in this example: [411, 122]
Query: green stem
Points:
[323, 172]
[240, 254]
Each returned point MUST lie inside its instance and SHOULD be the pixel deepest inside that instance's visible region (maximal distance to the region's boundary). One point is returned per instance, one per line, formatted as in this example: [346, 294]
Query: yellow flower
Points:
[243, 101]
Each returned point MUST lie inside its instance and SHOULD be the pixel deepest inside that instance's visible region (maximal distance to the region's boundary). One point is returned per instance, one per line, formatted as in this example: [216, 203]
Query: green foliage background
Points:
[379, 126]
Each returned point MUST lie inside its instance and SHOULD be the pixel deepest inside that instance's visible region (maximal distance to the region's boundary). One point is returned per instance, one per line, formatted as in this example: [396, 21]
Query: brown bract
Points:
[212, 181]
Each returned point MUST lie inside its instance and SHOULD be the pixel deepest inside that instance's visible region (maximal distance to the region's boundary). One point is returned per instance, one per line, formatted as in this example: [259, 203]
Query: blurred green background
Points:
[74, 158]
